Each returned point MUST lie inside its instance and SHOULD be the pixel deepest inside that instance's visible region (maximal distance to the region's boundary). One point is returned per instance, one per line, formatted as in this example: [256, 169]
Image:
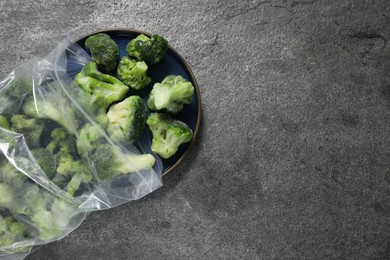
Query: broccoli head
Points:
[57, 109]
[171, 94]
[110, 162]
[133, 73]
[88, 139]
[61, 142]
[4, 123]
[12, 176]
[6, 195]
[8, 105]
[10, 231]
[103, 89]
[127, 119]
[104, 50]
[46, 161]
[151, 50]
[168, 134]
[31, 128]
[20, 88]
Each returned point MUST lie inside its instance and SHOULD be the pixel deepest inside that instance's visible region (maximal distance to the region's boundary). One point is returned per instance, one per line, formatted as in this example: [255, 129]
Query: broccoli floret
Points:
[103, 89]
[20, 88]
[4, 123]
[151, 50]
[168, 134]
[88, 139]
[8, 105]
[133, 73]
[45, 160]
[31, 128]
[34, 203]
[127, 119]
[58, 110]
[10, 231]
[10, 175]
[77, 179]
[61, 142]
[109, 162]
[104, 50]
[6, 195]
[171, 94]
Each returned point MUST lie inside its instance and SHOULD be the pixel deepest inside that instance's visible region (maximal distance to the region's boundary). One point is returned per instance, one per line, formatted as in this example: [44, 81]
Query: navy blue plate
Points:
[172, 64]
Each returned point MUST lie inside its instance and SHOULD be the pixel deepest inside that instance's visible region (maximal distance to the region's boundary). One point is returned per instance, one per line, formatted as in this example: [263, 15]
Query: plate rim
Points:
[191, 74]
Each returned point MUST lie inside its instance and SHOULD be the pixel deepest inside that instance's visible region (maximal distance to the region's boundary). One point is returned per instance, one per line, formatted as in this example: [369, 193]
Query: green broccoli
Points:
[4, 123]
[20, 88]
[103, 89]
[168, 134]
[10, 231]
[31, 128]
[127, 119]
[104, 50]
[88, 139]
[109, 162]
[10, 175]
[171, 94]
[45, 160]
[61, 142]
[151, 50]
[56, 108]
[8, 105]
[77, 179]
[133, 73]
[6, 195]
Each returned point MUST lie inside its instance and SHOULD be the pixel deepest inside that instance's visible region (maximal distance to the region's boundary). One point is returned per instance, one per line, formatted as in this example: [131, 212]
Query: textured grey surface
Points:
[292, 161]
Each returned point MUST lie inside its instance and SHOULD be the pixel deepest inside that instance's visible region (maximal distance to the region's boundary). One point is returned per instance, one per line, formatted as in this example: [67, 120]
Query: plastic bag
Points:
[57, 162]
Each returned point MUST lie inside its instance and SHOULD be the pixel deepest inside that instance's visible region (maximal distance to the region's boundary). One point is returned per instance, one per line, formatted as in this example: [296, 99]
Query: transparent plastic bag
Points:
[57, 162]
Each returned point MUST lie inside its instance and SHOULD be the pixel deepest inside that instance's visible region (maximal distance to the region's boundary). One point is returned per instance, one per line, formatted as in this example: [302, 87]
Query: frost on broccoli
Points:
[104, 50]
[31, 128]
[102, 88]
[8, 105]
[133, 73]
[151, 50]
[168, 134]
[127, 119]
[110, 162]
[171, 94]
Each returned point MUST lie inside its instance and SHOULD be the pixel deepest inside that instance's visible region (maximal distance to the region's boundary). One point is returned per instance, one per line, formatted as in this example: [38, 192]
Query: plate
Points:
[174, 64]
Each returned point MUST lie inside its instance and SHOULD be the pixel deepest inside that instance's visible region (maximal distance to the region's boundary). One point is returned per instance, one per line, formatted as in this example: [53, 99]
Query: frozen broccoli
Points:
[88, 139]
[103, 89]
[104, 50]
[151, 50]
[46, 161]
[109, 162]
[61, 142]
[19, 88]
[77, 179]
[127, 119]
[8, 105]
[168, 134]
[133, 73]
[10, 175]
[57, 109]
[10, 231]
[31, 128]
[4, 123]
[171, 94]
[6, 195]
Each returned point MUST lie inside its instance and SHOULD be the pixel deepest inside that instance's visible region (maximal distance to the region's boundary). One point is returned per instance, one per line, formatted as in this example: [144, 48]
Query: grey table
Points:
[292, 161]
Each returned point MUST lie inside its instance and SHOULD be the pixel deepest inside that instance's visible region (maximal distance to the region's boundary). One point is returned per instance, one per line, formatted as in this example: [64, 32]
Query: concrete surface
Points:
[292, 161]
